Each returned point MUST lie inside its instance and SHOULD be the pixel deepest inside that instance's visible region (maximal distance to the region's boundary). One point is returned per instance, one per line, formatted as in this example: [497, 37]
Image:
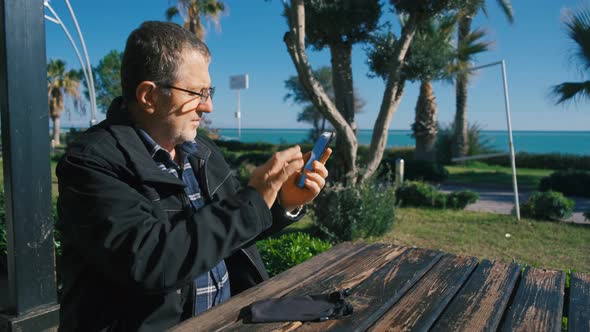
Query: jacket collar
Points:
[123, 129]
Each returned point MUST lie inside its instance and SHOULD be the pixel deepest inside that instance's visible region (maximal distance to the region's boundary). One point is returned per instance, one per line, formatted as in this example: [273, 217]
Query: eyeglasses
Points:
[204, 94]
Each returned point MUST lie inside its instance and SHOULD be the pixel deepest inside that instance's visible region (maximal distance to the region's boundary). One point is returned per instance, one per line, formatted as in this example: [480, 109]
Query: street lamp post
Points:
[86, 67]
[502, 63]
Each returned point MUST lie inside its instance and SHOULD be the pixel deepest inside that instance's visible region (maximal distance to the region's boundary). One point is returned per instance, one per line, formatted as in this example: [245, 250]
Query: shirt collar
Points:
[157, 152]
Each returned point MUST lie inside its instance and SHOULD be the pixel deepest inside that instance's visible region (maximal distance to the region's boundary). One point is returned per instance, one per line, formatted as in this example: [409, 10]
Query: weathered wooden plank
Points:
[374, 296]
[579, 304]
[220, 317]
[348, 274]
[228, 312]
[421, 306]
[538, 303]
[481, 302]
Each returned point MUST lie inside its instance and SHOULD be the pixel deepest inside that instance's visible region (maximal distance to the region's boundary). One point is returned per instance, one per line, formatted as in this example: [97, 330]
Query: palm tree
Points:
[59, 84]
[467, 13]
[429, 59]
[578, 29]
[193, 12]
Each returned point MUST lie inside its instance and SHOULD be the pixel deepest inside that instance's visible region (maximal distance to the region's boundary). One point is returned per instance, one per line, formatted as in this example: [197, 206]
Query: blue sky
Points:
[535, 48]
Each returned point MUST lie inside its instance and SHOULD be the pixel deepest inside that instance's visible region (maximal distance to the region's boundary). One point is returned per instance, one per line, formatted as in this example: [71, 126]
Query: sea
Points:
[569, 142]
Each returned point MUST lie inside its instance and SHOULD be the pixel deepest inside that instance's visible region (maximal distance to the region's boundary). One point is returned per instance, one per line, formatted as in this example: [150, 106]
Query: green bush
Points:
[557, 161]
[420, 194]
[570, 182]
[288, 250]
[243, 173]
[405, 153]
[458, 200]
[345, 213]
[232, 145]
[425, 171]
[230, 157]
[547, 205]
[256, 158]
[415, 170]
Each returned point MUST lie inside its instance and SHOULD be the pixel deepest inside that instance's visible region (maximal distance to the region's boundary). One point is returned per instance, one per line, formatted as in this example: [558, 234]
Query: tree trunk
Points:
[56, 121]
[391, 98]
[424, 127]
[295, 41]
[341, 57]
[460, 140]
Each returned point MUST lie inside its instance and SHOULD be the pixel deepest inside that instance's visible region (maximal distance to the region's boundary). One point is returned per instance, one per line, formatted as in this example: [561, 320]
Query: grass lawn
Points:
[557, 246]
[491, 174]
[546, 244]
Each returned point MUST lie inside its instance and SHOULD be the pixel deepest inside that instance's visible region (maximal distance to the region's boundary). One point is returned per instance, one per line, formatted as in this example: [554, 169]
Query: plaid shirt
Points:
[210, 288]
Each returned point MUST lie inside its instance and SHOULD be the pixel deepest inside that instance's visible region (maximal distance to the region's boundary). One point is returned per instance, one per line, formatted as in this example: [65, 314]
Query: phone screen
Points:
[316, 153]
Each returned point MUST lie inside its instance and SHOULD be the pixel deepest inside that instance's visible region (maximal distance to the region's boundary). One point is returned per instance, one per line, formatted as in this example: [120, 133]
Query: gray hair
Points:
[154, 52]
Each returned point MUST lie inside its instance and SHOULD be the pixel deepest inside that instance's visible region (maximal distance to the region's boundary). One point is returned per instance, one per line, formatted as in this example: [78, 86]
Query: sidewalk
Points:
[495, 199]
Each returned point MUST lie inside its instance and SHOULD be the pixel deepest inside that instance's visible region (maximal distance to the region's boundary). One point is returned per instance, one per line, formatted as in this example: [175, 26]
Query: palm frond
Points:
[473, 45]
[578, 29]
[171, 12]
[506, 7]
[484, 8]
[571, 91]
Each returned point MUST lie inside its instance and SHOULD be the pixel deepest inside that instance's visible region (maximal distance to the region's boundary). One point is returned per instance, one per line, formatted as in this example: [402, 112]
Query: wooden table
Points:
[410, 289]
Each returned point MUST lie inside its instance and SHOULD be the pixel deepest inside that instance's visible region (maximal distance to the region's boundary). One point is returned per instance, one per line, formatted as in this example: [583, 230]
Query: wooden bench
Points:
[411, 289]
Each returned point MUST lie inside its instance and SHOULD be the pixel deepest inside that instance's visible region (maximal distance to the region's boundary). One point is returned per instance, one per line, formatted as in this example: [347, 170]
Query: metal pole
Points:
[86, 69]
[57, 20]
[91, 81]
[485, 66]
[239, 115]
[511, 144]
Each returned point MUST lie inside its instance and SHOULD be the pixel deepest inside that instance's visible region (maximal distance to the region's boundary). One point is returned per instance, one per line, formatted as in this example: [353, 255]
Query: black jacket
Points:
[131, 244]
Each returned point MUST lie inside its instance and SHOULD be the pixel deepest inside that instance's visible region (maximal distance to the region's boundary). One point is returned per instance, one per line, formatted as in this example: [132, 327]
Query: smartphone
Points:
[316, 153]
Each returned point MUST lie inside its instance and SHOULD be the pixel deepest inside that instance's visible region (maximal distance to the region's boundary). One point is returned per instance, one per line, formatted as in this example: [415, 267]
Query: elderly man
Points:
[154, 227]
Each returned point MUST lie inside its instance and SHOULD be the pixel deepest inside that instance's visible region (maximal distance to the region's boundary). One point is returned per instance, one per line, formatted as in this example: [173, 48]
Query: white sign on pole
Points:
[238, 82]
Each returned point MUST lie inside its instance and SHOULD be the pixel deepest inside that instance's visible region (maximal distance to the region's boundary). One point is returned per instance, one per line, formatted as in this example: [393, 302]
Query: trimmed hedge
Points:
[232, 145]
[406, 153]
[458, 200]
[557, 161]
[547, 205]
[256, 158]
[420, 194]
[570, 182]
[288, 250]
[414, 170]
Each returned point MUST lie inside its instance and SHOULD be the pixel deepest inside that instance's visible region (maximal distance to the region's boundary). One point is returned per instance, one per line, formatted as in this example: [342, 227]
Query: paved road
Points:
[501, 200]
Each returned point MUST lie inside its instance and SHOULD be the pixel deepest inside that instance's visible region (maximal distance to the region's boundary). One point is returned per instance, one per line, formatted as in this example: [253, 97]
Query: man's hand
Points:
[291, 196]
[268, 178]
